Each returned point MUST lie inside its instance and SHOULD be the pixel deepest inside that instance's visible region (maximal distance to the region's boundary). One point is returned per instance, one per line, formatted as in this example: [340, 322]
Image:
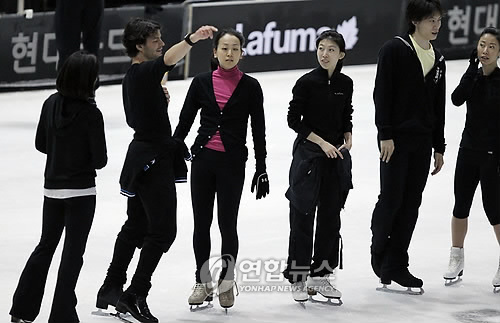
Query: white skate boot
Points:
[455, 266]
[323, 286]
[226, 293]
[496, 280]
[202, 292]
[299, 291]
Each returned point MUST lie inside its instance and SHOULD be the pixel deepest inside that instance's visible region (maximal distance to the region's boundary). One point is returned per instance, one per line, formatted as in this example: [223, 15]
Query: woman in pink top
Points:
[226, 98]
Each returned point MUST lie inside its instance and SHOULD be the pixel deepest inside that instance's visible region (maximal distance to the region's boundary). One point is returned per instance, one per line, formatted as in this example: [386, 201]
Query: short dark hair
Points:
[136, 32]
[76, 78]
[214, 63]
[418, 10]
[492, 31]
[338, 39]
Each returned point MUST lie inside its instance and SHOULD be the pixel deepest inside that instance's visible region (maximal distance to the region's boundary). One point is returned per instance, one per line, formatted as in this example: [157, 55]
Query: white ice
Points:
[263, 224]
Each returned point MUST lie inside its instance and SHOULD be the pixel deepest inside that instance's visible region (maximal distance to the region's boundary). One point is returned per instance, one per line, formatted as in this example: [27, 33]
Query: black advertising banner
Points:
[29, 55]
[281, 35]
[464, 21]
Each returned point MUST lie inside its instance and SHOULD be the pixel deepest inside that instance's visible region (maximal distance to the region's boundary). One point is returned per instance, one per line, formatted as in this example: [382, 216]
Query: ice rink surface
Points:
[263, 224]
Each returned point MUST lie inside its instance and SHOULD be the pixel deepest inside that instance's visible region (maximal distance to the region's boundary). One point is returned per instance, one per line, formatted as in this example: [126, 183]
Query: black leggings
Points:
[215, 172]
[74, 216]
[474, 167]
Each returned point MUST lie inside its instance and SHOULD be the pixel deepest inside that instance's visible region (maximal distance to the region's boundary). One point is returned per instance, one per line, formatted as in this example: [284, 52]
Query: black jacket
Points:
[482, 124]
[71, 133]
[146, 111]
[306, 171]
[406, 103]
[232, 122]
[322, 105]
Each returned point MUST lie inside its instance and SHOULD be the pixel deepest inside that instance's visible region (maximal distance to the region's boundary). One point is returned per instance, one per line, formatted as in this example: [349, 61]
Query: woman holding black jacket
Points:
[320, 113]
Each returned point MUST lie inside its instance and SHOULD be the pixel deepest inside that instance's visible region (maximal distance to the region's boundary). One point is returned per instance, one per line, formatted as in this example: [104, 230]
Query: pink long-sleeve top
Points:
[224, 82]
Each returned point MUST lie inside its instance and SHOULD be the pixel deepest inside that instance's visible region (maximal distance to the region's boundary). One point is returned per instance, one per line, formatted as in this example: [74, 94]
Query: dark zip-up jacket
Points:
[406, 103]
[71, 133]
[146, 111]
[308, 166]
[232, 122]
[482, 123]
[322, 105]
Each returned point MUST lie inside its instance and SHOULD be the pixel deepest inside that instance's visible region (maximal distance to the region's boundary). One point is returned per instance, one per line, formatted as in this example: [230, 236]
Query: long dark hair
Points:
[338, 39]
[76, 78]
[136, 32]
[214, 63]
[418, 10]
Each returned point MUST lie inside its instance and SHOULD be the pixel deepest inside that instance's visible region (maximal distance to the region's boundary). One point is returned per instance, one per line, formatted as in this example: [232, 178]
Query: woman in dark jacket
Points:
[321, 113]
[227, 98]
[478, 158]
[71, 134]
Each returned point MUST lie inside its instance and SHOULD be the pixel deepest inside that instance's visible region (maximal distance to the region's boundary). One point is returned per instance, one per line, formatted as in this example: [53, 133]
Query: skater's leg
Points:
[230, 180]
[79, 214]
[404, 225]
[156, 190]
[300, 245]
[458, 231]
[202, 198]
[92, 17]
[67, 17]
[467, 176]
[29, 292]
[327, 237]
[392, 183]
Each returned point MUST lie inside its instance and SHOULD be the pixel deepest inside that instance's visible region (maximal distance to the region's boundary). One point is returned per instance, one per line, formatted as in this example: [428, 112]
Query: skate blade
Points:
[326, 301]
[100, 312]
[452, 281]
[407, 291]
[201, 307]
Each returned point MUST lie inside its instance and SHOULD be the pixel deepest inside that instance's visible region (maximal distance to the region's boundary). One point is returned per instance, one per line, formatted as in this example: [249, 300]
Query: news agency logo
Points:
[275, 41]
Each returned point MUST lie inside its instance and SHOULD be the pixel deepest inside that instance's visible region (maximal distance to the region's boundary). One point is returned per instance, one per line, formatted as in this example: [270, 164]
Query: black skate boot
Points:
[108, 295]
[405, 279]
[136, 306]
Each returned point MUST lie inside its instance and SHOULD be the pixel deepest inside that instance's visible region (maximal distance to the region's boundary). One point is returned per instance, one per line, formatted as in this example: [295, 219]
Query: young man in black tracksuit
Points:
[149, 172]
[409, 100]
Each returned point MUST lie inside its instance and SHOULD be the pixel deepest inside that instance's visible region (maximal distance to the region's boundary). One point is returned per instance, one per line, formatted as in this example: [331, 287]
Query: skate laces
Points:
[201, 289]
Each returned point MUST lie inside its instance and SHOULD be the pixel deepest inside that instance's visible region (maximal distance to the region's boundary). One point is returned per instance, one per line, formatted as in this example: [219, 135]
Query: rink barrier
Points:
[280, 34]
[29, 55]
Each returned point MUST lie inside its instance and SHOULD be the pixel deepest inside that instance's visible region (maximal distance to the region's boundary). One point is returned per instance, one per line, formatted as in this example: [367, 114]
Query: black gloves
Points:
[473, 64]
[260, 181]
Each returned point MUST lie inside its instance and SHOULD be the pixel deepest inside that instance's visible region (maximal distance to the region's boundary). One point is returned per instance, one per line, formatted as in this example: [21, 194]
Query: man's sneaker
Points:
[202, 292]
[226, 293]
[323, 286]
[299, 291]
[456, 264]
[108, 295]
[136, 306]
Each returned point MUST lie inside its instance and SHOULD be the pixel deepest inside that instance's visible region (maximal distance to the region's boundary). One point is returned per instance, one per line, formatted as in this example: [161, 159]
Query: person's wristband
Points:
[187, 40]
